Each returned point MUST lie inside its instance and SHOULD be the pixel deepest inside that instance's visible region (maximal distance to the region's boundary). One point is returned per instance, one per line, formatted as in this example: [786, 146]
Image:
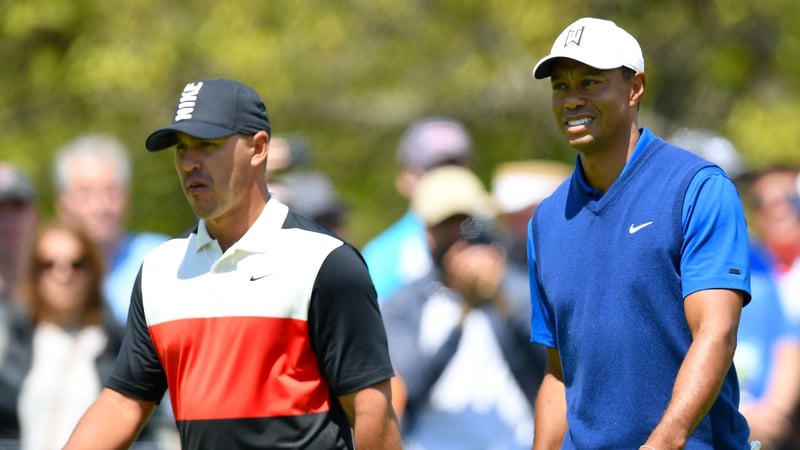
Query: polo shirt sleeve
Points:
[542, 324]
[345, 325]
[716, 249]
[138, 372]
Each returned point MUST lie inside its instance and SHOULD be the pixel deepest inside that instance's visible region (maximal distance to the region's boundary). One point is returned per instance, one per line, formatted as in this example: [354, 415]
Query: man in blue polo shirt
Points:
[639, 268]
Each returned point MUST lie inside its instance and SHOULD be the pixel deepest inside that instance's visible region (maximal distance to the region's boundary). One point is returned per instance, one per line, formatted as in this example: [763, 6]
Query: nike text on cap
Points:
[213, 109]
[595, 42]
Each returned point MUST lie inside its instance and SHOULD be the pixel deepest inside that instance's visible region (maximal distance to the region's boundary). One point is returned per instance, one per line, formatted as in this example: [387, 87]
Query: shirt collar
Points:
[257, 237]
[645, 138]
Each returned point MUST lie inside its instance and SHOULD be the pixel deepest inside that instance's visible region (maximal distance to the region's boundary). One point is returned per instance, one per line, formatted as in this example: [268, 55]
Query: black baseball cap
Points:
[213, 109]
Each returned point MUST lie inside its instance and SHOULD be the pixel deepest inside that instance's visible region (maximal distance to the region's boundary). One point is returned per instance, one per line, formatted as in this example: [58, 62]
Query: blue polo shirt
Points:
[670, 225]
[710, 188]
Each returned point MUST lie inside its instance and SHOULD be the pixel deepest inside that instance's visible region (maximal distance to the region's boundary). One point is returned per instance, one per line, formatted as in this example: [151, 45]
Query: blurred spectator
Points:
[18, 217]
[287, 153]
[309, 192]
[467, 373]
[313, 195]
[776, 220]
[767, 356]
[767, 360]
[517, 189]
[713, 147]
[399, 254]
[61, 353]
[92, 176]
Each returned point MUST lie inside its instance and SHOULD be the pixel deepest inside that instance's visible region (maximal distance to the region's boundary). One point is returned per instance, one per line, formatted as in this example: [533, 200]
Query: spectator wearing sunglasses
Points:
[61, 352]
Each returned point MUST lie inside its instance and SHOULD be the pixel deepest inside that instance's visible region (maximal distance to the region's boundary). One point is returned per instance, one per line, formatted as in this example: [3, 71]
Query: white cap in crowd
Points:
[519, 185]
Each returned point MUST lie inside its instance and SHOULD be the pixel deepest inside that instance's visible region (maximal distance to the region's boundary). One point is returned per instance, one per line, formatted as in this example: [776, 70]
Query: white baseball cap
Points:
[518, 185]
[595, 42]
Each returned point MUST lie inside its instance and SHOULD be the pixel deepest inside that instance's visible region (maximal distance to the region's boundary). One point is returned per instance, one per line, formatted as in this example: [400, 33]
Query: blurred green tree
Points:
[350, 76]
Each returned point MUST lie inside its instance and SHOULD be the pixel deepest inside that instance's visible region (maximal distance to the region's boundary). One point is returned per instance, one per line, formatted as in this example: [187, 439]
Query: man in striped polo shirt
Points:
[264, 326]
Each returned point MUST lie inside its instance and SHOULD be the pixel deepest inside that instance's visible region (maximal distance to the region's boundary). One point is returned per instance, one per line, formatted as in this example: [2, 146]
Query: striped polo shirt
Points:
[256, 343]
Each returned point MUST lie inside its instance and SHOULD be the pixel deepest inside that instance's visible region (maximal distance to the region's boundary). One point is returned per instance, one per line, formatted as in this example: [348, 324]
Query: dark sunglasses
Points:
[77, 264]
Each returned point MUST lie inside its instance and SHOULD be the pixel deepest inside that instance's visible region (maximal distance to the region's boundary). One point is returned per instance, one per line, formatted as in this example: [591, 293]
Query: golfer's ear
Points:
[260, 148]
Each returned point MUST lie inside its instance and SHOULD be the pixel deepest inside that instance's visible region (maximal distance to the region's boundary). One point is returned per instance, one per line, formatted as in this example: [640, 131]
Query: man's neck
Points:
[602, 167]
[228, 229]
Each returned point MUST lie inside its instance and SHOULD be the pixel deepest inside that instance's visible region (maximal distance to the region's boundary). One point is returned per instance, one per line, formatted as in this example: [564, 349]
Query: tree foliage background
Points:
[350, 75]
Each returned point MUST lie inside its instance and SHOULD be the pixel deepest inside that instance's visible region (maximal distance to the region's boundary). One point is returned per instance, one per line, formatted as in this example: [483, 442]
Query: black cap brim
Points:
[165, 137]
[544, 68]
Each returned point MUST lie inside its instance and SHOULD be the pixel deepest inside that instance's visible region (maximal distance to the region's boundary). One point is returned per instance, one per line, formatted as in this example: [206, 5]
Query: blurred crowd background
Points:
[347, 85]
[351, 75]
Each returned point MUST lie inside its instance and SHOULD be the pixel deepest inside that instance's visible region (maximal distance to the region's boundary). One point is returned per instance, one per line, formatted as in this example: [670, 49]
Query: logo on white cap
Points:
[574, 36]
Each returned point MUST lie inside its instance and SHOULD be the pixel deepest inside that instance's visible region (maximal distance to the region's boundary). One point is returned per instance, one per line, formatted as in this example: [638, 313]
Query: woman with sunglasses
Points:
[62, 350]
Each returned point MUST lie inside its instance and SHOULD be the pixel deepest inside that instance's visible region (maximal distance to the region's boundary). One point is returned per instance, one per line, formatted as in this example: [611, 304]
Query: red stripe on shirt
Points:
[240, 367]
